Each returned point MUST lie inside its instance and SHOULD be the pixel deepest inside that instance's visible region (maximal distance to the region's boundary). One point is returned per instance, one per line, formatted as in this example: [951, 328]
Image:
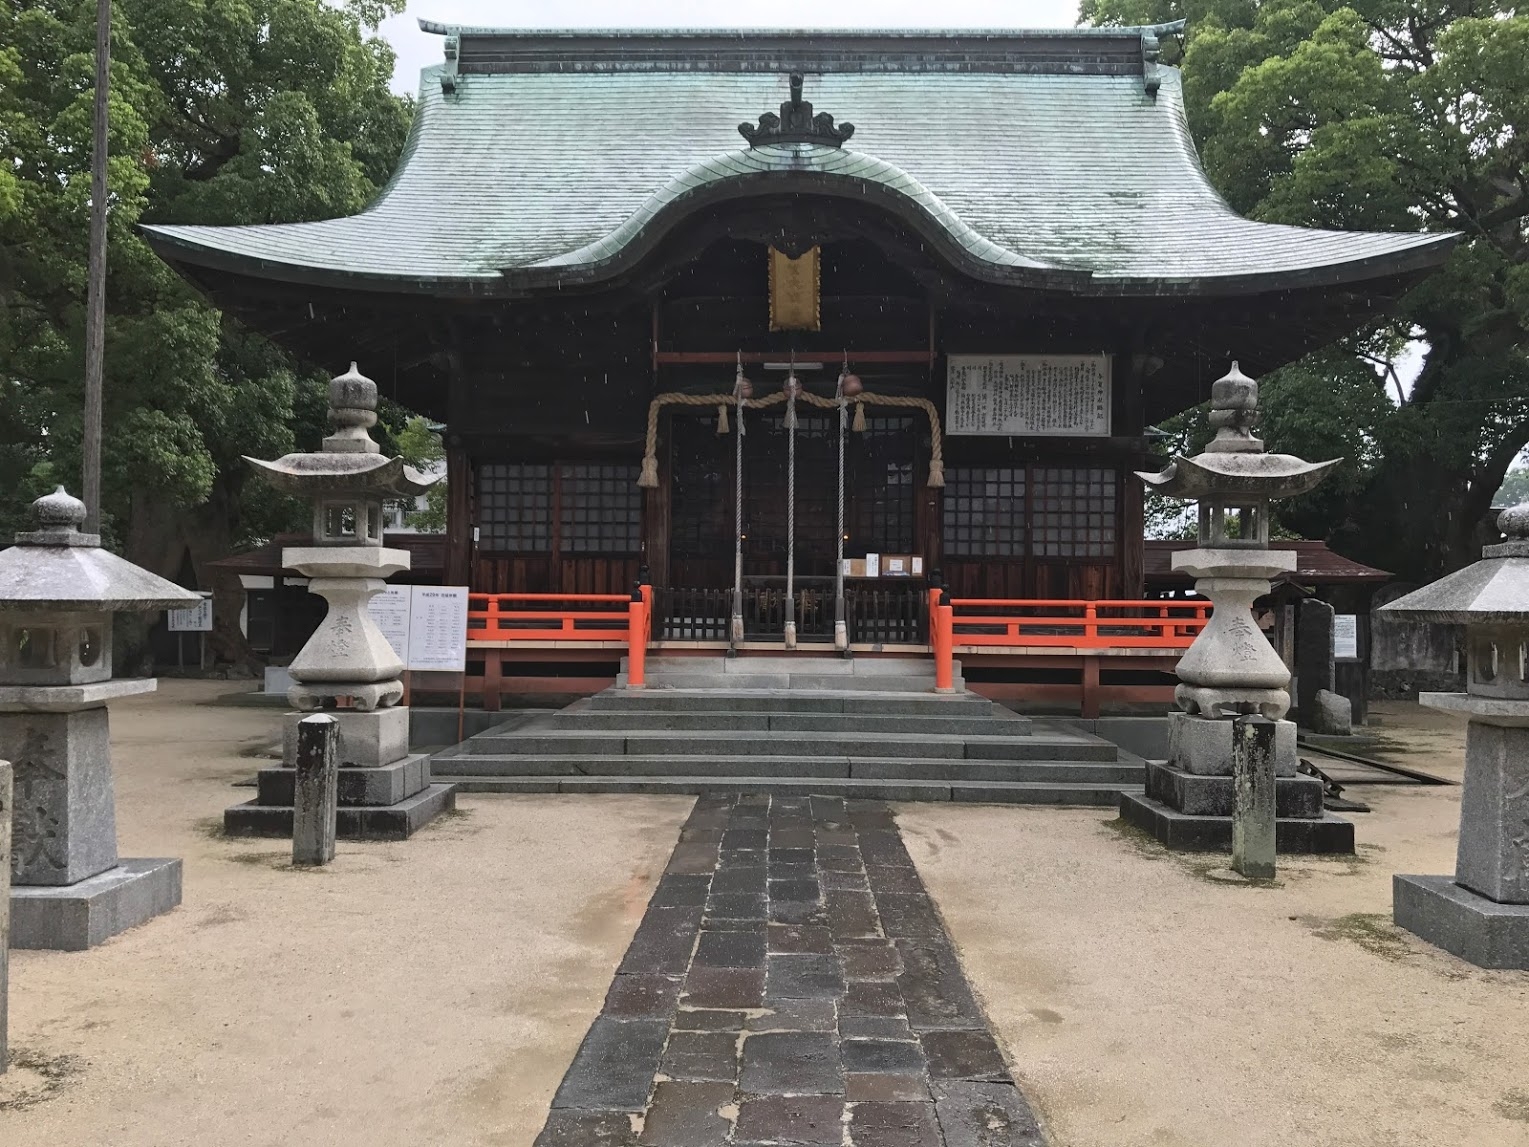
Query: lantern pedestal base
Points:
[73, 917]
[1479, 931]
[1184, 832]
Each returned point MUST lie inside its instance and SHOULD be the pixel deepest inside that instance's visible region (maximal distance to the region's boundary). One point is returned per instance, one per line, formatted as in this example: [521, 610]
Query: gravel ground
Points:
[434, 991]
[1143, 1002]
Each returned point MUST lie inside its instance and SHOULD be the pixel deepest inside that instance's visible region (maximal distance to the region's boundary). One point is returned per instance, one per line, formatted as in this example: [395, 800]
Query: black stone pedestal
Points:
[1480, 931]
[1188, 812]
[388, 802]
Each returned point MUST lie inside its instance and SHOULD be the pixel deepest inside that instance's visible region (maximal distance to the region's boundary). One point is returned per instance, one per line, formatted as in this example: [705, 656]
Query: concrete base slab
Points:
[1297, 796]
[386, 822]
[358, 787]
[1181, 832]
[1479, 931]
[73, 917]
[1203, 745]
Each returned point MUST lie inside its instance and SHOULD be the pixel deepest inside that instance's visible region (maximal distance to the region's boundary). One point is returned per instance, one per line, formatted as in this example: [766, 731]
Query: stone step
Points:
[986, 792]
[699, 679]
[767, 721]
[806, 664]
[1053, 745]
[732, 700]
[471, 766]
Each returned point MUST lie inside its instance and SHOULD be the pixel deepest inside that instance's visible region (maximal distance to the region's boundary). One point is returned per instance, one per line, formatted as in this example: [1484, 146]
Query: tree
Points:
[222, 111]
[419, 445]
[1394, 115]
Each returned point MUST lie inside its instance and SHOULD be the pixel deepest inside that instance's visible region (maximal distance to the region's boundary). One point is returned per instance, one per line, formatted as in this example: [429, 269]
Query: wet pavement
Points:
[790, 983]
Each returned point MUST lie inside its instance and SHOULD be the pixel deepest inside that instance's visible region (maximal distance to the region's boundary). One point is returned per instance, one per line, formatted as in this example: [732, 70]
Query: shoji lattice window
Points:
[985, 511]
[600, 509]
[515, 507]
[1073, 512]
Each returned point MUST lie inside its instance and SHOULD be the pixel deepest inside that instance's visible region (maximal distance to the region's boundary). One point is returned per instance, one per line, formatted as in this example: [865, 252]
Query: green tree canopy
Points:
[222, 111]
[1390, 115]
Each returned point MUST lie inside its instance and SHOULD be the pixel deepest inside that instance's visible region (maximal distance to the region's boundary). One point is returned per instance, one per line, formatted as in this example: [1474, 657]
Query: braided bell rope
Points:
[648, 476]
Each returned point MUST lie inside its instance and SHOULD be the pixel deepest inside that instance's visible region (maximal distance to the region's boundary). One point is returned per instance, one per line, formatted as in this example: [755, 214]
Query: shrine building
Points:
[998, 249]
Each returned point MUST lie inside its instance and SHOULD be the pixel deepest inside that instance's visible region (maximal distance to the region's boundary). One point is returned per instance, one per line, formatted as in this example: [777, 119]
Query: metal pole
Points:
[790, 627]
[841, 626]
[95, 292]
[1253, 804]
[5, 908]
[735, 629]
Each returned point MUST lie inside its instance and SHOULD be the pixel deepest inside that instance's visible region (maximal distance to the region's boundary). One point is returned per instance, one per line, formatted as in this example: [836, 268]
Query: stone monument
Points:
[347, 668]
[1481, 914]
[1231, 669]
[58, 590]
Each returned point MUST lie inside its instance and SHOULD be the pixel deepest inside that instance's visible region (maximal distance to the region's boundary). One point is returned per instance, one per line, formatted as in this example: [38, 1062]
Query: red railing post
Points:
[637, 641]
[943, 623]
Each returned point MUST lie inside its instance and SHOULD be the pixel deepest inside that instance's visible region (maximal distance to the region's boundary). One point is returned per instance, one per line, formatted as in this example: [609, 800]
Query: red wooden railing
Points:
[500, 618]
[1021, 623]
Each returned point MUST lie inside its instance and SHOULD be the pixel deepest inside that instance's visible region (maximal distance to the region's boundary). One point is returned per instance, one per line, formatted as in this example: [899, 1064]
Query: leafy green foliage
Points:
[222, 111]
[1390, 115]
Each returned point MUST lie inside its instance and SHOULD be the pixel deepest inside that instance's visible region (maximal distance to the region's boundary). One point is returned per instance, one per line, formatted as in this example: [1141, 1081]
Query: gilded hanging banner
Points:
[794, 291]
[1028, 395]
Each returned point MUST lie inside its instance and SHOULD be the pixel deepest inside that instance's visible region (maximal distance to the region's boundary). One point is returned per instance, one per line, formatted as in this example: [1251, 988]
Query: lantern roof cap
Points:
[56, 568]
[349, 462]
[1494, 590]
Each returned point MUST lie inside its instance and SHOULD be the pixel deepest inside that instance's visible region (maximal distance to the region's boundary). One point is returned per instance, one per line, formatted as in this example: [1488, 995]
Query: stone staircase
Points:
[863, 728]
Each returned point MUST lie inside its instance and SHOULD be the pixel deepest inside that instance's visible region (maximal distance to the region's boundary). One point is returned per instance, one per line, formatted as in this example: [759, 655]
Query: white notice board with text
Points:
[1028, 395]
[438, 628]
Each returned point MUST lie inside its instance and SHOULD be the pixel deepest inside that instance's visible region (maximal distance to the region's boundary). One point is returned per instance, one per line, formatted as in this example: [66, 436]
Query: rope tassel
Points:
[722, 427]
[858, 426]
[648, 478]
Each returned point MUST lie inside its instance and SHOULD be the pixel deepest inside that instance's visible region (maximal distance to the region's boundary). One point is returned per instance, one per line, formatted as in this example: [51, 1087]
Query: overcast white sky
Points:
[417, 50]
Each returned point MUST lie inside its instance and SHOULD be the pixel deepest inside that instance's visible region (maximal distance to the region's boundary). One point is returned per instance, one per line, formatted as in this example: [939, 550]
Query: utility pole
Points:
[95, 296]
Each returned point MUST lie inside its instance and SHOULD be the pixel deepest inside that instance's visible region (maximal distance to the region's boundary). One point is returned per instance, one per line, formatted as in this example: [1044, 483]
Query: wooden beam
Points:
[675, 357]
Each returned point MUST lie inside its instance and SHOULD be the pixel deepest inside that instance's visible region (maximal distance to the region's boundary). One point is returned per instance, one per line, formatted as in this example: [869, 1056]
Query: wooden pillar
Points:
[1090, 689]
[459, 524]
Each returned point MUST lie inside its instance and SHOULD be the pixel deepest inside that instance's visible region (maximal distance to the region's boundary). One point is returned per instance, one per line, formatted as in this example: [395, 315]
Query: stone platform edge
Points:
[74, 917]
[1478, 930]
[1180, 832]
[382, 822]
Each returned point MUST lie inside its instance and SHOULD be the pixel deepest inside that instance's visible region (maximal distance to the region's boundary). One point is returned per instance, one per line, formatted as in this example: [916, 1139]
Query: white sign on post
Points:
[1346, 636]
[1028, 395]
[438, 628]
[194, 618]
[390, 610]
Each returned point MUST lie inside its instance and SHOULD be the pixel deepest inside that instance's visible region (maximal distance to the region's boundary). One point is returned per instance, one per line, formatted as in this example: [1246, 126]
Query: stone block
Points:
[358, 787]
[1331, 714]
[1203, 745]
[387, 822]
[83, 914]
[1479, 931]
[1180, 832]
[367, 739]
[1297, 796]
[65, 826]
[1494, 813]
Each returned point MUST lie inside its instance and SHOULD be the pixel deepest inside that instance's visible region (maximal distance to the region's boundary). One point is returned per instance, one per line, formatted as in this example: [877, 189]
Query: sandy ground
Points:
[425, 992]
[1142, 1002]
[434, 991]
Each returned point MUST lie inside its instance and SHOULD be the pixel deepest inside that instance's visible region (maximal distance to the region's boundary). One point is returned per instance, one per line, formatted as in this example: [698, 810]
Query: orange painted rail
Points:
[1167, 625]
[511, 617]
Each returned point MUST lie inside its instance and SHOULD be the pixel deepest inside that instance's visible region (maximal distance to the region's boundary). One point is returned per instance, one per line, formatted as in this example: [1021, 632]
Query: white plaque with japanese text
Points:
[390, 610]
[438, 628]
[1028, 395]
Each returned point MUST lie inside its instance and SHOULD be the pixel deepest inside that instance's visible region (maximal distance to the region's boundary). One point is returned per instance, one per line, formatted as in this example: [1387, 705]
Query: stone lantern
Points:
[348, 666]
[58, 591]
[1481, 914]
[1231, 670]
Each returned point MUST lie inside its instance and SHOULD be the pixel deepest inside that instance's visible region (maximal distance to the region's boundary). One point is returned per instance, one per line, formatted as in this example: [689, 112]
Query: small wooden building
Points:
[1014, 250]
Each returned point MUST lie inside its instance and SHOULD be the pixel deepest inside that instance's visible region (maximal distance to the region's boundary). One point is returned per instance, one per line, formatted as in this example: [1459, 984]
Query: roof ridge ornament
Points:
[796, 123]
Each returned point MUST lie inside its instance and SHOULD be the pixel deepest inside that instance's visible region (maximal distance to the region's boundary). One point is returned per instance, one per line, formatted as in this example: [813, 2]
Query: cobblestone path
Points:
[790, 983]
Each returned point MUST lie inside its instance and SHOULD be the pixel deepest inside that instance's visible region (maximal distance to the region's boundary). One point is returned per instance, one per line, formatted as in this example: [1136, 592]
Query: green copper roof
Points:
[539, 160]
